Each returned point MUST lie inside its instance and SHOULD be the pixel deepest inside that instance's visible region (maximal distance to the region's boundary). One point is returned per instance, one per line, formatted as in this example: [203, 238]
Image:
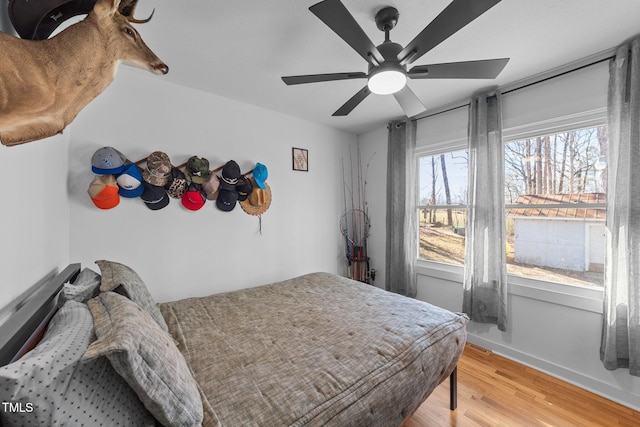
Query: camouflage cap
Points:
[197, 169]
[158, 169]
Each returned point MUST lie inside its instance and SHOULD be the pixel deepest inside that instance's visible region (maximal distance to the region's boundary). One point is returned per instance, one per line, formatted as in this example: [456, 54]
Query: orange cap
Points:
[103, 191]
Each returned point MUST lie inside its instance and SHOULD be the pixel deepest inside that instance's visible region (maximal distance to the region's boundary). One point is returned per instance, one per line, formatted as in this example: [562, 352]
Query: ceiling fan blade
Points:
[353, 102]
[483, 69]
[453, 18]
[409, 102]
[314, 78]
[336, 16]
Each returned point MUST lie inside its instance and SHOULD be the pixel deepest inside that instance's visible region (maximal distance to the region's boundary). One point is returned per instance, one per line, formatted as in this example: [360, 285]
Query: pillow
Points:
[85, 287]
[50, 386]
[145, 356]
[123, 280]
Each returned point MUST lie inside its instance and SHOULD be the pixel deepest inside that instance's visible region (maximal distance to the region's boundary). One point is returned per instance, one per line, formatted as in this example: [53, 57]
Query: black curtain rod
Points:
[526, 85]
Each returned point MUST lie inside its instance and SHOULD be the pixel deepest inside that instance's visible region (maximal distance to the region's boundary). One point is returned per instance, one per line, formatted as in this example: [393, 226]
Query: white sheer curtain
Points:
[620, 346]
[402, 237]
[485, 276]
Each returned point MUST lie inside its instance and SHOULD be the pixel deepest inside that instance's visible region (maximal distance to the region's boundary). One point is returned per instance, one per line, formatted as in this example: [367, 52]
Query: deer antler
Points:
[127, 9]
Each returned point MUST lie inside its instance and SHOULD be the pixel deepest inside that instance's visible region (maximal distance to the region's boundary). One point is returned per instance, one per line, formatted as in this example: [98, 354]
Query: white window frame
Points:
[575, 296]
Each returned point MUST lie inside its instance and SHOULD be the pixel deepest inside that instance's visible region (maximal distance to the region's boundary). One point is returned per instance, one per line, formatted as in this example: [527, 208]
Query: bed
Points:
[318, 349]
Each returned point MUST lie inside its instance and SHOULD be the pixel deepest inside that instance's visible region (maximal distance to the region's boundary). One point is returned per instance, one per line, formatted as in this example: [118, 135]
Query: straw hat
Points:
[258, 201]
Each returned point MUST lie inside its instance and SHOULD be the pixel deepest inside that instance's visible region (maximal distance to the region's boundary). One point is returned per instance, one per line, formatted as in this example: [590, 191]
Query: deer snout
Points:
[160, 68]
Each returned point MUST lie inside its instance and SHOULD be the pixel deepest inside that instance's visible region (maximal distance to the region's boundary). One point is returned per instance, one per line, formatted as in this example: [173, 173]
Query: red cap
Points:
[193, 200]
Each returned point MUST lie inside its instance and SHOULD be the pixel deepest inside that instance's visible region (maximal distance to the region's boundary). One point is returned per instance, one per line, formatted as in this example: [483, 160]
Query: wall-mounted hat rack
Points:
[182, 165]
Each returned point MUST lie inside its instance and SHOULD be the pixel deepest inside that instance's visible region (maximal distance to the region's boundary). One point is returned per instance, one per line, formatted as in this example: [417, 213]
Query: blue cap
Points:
[260, 174]
[107, 161]
[130, 181]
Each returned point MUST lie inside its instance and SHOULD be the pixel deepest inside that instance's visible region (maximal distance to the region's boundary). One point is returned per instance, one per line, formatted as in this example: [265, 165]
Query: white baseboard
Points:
[591, 384]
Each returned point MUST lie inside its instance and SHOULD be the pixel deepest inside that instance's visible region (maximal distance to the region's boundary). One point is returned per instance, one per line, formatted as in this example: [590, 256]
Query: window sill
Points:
[578, 297]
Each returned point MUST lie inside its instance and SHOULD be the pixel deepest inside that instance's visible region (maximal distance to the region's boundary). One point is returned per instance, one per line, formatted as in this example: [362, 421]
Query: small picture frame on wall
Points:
[300, 157]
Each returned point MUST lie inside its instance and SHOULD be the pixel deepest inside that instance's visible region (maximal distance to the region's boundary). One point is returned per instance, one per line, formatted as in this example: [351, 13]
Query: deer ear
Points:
[104, 8]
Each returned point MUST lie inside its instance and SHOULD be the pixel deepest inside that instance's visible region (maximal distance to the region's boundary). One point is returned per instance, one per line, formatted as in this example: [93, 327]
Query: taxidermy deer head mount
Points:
[44, 84]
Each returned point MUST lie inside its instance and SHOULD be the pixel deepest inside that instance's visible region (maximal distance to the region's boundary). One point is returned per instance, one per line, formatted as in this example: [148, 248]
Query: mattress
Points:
[318, 349]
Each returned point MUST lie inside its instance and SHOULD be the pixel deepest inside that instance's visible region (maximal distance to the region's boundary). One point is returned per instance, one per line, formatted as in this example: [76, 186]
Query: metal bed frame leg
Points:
[453, 389]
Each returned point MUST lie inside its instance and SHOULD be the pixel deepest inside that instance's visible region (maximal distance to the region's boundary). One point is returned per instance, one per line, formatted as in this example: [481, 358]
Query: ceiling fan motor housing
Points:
[389, 76]
[389, 51]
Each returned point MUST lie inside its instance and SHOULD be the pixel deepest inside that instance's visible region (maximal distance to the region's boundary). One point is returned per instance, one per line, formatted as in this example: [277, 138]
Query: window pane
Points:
[563, 242]
[442, 182]
[443, 179]
[438, 241]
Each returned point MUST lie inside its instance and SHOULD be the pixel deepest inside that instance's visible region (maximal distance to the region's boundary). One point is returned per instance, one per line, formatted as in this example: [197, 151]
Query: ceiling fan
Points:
[388, 62]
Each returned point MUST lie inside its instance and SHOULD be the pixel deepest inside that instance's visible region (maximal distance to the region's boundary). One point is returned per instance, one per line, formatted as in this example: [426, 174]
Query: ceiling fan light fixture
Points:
[387, 82]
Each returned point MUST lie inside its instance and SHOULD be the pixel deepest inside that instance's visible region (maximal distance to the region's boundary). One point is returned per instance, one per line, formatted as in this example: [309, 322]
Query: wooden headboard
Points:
[29, 321]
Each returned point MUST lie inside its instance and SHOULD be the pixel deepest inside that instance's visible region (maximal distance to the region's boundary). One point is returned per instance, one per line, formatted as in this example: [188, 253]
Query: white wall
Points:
[373, 151]
[550, 330]
[180, 253]
[34, 218]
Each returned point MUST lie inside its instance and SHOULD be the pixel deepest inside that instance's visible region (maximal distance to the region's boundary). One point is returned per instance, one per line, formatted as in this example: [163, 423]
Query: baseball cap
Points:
[243, 188]
[211, 187]
[197, 170]
[103, 191]
[260, 174]
[36, 20]
[226, 200]
[193, 199]
[107, 161]
[130, 181]
[155, 197]
[158, 169]
[230, 175]
[177, 184]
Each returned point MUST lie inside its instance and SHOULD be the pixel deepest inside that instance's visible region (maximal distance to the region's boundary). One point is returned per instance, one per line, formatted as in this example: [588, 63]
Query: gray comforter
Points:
[315, 350]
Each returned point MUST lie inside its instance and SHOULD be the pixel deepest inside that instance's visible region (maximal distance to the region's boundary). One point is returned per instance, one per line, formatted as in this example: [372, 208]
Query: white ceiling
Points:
[239, 49]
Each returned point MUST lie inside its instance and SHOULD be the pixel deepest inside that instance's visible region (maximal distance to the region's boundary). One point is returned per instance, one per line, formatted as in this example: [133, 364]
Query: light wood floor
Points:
[494, 391]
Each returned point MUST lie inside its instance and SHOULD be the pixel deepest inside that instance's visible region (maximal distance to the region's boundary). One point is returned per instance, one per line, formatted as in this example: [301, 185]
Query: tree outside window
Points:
[442, 206]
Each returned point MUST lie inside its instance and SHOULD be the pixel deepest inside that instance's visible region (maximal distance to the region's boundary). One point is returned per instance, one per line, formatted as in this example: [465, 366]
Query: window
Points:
[442, 200]
[555, 196]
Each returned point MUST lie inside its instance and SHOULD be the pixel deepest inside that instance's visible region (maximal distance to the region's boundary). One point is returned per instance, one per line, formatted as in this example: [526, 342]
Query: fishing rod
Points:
[346, 234]
[370, 275]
